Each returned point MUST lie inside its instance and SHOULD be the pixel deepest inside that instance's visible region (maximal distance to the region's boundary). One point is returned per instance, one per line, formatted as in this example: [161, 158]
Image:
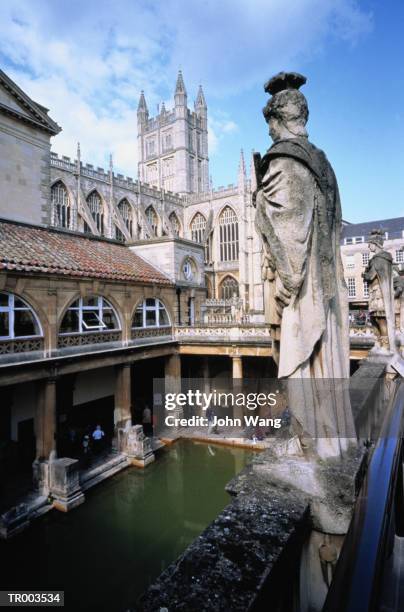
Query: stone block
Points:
[13, 521]
[138, 447]
[65, 484]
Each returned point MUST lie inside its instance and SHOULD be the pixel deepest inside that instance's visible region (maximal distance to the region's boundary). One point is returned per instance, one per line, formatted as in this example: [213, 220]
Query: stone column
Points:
[237, 363]
[173, 380]
[123, 405]
[173, 372]
[45, 432]
[237, 375]
[123, 396]
[45, 422]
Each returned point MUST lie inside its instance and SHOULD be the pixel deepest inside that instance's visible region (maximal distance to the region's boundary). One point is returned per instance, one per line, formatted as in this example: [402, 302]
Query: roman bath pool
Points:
[105, 553]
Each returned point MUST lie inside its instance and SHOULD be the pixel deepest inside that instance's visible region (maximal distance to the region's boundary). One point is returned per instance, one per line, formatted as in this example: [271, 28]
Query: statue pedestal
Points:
[329, 485]
[136, 446]
[65, 485]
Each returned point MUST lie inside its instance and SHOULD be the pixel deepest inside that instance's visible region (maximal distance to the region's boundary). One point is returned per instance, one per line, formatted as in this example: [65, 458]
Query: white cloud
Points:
[88, 61]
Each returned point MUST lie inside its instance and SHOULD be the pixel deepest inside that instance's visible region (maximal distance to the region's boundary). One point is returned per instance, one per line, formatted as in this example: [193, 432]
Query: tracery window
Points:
[152, 219]
[126, 213]
[198, 226]
[228, 224]
[60, 205]
[151, 313]
[17, 319]
[88, 315]
[229, 288]
[175, 224]
[95, 206]
[119, 235]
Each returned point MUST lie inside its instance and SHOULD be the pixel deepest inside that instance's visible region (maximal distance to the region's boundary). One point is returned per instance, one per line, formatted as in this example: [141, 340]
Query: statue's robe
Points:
[299, 218]
[381, 291]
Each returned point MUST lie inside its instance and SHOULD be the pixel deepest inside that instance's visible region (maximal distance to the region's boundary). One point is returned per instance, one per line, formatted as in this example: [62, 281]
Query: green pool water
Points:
[105, 553]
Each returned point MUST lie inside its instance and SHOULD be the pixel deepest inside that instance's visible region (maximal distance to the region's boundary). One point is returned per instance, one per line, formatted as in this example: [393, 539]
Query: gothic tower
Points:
[173, 145]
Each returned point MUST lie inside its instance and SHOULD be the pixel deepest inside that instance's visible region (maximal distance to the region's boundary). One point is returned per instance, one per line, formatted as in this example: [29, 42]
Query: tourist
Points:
[98, 439]
[85, 445]
[147, 421]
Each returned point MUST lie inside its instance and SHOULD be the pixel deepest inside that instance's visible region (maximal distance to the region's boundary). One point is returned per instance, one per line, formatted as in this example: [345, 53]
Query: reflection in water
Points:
[105, 553]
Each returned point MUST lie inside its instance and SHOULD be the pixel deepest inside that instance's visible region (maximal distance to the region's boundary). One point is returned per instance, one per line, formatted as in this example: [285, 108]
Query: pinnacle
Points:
[180, 85]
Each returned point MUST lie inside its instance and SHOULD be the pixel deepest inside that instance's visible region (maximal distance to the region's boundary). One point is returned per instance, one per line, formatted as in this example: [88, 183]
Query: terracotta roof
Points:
[48, 251]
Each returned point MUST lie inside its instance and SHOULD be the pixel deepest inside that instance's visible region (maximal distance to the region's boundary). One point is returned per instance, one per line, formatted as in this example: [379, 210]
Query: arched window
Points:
[119, 235]
[17, 319]
[126, 213]
[198, 226]
[60, 205]
[175, 224]
[151, 313]
[88, 315]
[152, 219]
[95, 206]
[228, 235]
[229, 288]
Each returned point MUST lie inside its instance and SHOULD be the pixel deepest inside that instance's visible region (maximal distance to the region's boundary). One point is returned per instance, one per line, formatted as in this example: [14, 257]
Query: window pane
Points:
[150, 318]
[3, 299]
[163, 317]
[19, 303]
[93, 301]
[4, 324]
[150, 302]
[70, 323]
[138, 318]
[109, 320]
[24, 323]
[91, 320]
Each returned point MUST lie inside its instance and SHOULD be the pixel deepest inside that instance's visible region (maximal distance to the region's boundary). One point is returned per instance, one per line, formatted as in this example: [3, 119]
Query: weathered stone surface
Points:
[305, 299]
[65, 485]
[14, 520]
[225, 566]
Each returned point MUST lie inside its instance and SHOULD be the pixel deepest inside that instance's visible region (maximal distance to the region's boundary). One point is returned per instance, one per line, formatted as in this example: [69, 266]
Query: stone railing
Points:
[99, 337]
[362, 331]
[219, 312]
[220, 192]
[227, 332]
[151, 332]
[21, 345]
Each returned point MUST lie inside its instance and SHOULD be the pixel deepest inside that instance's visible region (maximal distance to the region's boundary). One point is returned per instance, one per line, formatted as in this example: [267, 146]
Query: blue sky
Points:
[87, 62]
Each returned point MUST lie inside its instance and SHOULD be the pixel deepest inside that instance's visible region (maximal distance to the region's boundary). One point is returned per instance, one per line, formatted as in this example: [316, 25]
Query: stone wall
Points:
[24, 171]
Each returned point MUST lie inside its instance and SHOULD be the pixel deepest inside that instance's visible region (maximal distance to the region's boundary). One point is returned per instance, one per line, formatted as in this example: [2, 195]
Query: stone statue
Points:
[379, 275]
[298, 216]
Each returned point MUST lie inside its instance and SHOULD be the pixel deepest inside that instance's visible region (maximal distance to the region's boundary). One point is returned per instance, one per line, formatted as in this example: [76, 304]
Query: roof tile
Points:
[49, 251]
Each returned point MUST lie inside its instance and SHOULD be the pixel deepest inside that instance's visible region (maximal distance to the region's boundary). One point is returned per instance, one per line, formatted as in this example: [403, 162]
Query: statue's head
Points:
[376, 240]
[286, 112]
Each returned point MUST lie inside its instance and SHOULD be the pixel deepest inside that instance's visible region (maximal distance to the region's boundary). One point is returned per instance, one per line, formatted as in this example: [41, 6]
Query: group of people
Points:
[92, 442]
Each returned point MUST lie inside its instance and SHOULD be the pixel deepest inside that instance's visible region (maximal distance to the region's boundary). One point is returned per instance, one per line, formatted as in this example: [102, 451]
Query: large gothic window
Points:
[198, 226]
[152, 219]
[88, 315]
[175, 224]
[228, 225]
[60, 205]
[17, 319]
[126, 213]
[229, 288]
[95, 205]
[151, 313]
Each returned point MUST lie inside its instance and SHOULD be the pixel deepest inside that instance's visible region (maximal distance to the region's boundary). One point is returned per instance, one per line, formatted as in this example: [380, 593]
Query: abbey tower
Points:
[173, 145]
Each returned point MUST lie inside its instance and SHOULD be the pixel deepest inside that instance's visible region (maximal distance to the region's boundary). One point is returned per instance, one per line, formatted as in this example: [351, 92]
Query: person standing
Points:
[98, 439]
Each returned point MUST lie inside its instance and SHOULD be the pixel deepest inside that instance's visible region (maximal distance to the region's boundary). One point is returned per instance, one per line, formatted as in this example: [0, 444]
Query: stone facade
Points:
[356, 254]
[25, 132]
